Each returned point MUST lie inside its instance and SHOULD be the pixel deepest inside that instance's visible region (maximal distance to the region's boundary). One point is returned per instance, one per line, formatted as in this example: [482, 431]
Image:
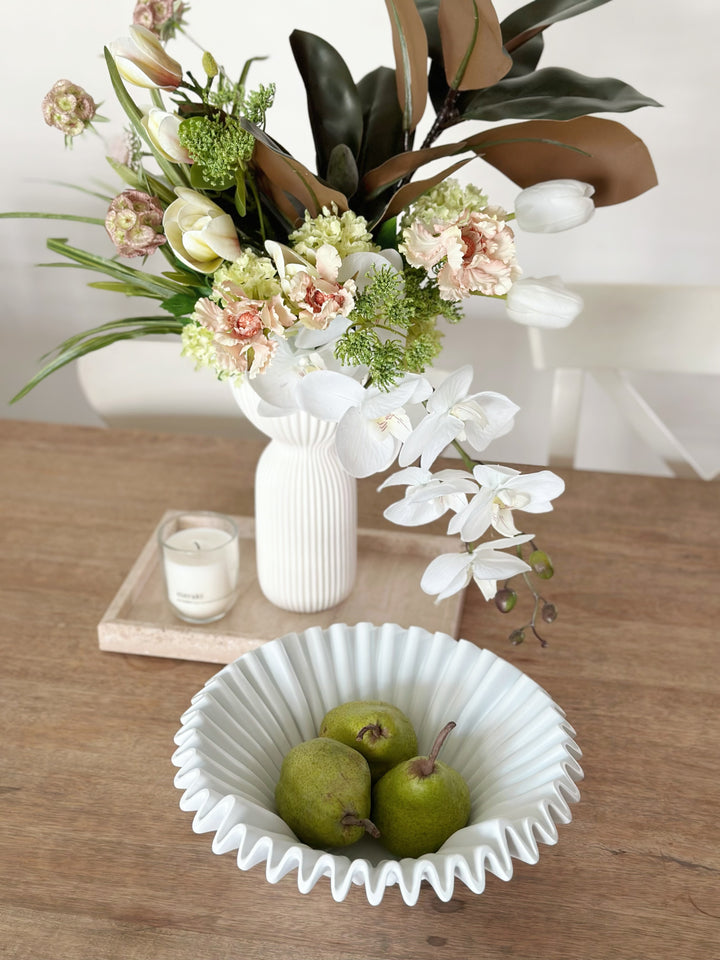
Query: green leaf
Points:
[117, 287]
[145, 281]
[96, 339]
[382, 119]
[240, 192]
[28, 215]
[428, 10]
[553, 93]
[333, 101]
[180, 305]
[528, 21]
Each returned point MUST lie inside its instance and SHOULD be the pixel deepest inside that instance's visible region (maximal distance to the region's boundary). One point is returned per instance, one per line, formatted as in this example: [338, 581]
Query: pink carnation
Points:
[321, 298]
[482, 260]
[239, 328]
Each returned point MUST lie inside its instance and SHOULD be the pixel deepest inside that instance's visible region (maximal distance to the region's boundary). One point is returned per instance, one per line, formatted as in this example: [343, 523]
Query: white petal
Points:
[447, 430]
[362, 449]
[495, 565]
[409, 476]
[540, 487]
[472, 522]
[447, 574]
[328, 395]
[453, 388]
[503, 522]
[308, 339]
[409, 514]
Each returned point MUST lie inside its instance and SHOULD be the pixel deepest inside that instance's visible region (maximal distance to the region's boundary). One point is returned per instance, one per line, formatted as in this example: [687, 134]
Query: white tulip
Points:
[554, 205]
[162, 129]
[200, 233]
[141, 59]
[542, 302]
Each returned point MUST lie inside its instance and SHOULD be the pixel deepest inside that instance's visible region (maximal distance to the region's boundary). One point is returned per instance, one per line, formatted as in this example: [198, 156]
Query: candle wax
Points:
[201, 571]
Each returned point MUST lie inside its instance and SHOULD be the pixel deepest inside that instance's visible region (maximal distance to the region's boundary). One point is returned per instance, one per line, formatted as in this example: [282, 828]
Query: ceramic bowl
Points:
[512, 744]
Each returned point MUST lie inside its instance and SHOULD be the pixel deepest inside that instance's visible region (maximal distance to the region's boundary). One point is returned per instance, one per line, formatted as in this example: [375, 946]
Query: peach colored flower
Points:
[427, 248]
[316, 293]
[482, 260]
[237, 328]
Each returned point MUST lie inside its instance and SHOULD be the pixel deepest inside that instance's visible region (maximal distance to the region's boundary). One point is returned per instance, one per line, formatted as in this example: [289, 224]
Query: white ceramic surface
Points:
[512, 744]
[305, 511]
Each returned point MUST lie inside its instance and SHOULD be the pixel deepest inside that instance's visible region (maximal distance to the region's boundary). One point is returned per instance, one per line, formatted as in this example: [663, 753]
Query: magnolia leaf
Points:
[590, 149]
[333, 100]
[526, 57]
[342, 171]
[291, 186]
[428, 10]
[406, 163]
[553, 93]
[382, 119]
[523, 24]
[411, 53]
[411, 191]
[472, 44]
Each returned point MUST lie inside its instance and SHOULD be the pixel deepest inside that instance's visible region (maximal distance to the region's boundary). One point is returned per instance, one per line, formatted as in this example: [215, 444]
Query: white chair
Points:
[625, 334]
[147, 385]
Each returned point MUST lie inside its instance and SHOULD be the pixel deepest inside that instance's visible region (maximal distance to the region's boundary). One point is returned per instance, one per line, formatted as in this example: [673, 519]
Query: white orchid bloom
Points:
[277, 387]
[544, 302]
[428, 495]
[503, 490]
[371, 423]
[554, 205]
[452, 414]
[486, 564]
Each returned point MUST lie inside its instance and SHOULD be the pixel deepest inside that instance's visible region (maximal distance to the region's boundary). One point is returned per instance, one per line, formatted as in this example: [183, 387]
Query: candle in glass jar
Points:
[201, 566]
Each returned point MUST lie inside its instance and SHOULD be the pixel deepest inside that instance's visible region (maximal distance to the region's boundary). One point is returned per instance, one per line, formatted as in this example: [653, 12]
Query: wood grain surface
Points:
[96, 859]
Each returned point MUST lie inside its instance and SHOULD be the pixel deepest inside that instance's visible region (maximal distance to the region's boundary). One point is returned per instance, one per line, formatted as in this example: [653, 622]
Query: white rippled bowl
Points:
[512, 745]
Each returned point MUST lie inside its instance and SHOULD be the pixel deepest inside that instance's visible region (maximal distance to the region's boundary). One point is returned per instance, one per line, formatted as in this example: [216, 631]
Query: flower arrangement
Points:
[328, 291]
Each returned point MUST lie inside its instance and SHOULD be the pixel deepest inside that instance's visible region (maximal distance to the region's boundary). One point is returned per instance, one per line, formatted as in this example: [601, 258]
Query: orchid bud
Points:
[549, 612]
[517, 637]
[134, 223]
[554, 205]
[141, 59]
[543, 302]
[541, 565]
[68, 107]
[505, 600]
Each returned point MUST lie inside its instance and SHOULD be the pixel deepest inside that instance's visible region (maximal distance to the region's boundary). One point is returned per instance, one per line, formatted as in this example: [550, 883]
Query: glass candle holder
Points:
[201, 562]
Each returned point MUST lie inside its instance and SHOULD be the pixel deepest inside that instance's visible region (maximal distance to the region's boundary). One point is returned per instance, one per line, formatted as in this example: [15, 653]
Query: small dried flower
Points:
[68, 107]
[161, 16]
[134, 223]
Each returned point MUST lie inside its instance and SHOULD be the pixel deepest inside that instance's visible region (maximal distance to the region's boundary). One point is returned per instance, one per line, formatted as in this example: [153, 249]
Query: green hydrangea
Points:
[348, 233]
[444, 202]
[256, 275]
[197, 343]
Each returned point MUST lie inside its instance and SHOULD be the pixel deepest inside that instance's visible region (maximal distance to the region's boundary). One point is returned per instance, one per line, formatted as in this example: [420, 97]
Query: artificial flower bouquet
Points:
[328, 291]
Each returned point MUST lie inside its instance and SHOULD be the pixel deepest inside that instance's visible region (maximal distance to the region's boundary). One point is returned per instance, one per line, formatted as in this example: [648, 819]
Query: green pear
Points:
[420, 803]
[323, 793]
[379, 731]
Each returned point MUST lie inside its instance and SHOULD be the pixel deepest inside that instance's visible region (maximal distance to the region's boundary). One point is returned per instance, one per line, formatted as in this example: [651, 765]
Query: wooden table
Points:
[98, 862]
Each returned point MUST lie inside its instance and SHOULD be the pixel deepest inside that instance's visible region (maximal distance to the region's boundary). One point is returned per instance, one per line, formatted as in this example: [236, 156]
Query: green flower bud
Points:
[540, 562]
[517, 637]
[505, 600]
[209, 64]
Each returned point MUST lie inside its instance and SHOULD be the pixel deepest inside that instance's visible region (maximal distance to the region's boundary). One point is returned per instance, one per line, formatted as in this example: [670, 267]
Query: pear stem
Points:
[426, 766]
[374, 729]
[352, 820]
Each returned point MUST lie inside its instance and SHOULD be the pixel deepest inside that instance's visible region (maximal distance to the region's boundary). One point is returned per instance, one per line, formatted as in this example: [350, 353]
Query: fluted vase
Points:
[305, 511]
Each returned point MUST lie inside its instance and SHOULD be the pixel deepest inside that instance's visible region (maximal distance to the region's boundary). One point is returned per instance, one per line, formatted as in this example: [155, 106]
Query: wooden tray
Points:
[387, 589]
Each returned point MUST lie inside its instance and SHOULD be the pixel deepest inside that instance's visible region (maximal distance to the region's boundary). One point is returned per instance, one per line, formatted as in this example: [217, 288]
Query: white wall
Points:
[667, 235]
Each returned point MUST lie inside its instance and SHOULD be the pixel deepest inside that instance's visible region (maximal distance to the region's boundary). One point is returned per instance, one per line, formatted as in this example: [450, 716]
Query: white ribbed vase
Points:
[305, 511]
